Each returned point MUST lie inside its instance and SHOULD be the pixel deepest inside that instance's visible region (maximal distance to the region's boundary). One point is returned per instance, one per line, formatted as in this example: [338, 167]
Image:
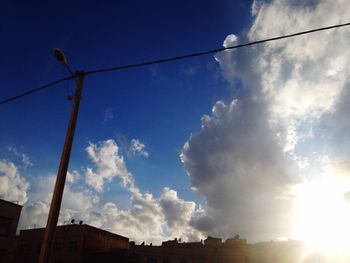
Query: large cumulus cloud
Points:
[286, 117]
[237, 164]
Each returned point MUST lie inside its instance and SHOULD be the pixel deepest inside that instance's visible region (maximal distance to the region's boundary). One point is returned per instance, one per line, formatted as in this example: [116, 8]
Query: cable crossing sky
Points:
[202, 53]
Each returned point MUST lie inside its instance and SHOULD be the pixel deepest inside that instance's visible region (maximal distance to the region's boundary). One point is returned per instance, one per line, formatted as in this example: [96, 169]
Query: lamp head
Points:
[60, 56]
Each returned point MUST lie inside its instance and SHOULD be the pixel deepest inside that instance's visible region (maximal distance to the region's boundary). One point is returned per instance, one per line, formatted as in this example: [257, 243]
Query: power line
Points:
[211, 51]
[35, 90]
[174, 58]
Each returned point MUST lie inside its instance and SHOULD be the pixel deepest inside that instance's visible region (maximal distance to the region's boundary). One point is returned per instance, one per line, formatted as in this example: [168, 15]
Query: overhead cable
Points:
[211, 51]
[196, 54]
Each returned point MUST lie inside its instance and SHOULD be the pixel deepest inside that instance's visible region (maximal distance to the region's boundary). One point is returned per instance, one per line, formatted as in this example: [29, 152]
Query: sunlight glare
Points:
[324, 217]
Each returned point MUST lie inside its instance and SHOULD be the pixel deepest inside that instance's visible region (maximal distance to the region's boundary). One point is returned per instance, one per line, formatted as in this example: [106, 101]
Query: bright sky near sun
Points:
[253, 141]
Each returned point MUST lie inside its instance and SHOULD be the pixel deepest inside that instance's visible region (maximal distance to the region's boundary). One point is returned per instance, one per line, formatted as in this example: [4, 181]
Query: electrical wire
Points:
[212, 51]
[174, 59]
[35, 90]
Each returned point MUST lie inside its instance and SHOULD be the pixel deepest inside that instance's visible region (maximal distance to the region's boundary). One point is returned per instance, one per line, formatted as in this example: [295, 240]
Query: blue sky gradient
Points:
[159, 104]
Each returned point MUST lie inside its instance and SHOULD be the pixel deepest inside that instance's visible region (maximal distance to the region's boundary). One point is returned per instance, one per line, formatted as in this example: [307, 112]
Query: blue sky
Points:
[253, 141]
[160, 104]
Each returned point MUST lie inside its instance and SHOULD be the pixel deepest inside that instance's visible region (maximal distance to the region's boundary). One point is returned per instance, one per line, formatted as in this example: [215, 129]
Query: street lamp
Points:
[62, 59]
[55, 206]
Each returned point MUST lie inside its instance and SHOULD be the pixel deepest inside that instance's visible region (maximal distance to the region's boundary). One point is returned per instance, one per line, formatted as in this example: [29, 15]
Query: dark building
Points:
[73, 243]
[9, 216]
[212, 250]
[81, 243]
[281, 252]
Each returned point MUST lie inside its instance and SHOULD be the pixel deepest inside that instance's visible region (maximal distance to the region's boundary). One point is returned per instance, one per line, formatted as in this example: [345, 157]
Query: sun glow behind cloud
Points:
[288, 113]
[324, 216]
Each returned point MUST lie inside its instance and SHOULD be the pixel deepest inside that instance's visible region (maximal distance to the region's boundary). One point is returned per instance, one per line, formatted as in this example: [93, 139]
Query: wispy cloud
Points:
[191, 69]
[138, 148]
[25, 159]
[108, 115]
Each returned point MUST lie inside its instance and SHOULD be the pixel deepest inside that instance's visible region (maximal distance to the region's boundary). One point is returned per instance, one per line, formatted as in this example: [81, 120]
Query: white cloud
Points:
[138, 148]
[143, 220]
[288, 112]
[145, 213]
[230, 40]
[75, 203]
[25, 159]
[34, 215]
[302, 77]
[94, 180]
[13, 186]
[109, 164]
[236, 163]
[72, 176]
[339, 170]
[178, 214]
[147, 218]
[256, 6]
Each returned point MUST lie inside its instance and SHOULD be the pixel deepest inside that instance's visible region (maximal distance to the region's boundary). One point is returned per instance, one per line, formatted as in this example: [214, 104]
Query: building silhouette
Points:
[81, 243]
[9, 216]
[211, 250]
[72, 243]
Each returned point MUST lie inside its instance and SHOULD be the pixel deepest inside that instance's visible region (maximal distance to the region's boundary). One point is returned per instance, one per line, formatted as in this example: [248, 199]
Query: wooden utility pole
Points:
[46, 245]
